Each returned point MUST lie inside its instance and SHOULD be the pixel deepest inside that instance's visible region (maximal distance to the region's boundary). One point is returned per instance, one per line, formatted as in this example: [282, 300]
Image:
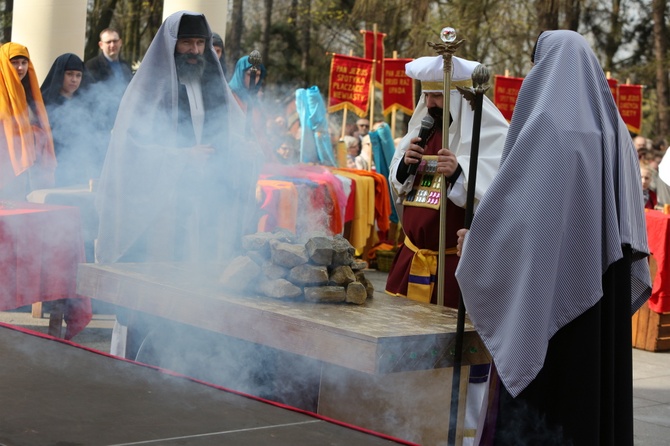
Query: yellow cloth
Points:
[422, 272]
[22, 149]
[364, 208]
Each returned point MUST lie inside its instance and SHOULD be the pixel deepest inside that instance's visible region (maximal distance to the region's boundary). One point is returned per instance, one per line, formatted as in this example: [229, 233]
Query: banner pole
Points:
[372, 86]
[393, 112]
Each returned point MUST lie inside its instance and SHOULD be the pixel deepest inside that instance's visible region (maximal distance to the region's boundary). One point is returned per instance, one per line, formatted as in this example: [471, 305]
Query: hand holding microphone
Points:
[427, 124]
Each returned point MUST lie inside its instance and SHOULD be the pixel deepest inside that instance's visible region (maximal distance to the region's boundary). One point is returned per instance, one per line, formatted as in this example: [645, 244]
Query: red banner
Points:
[349, 85]
[398, 90]
[505, 92]
[630, 106]
[613, 83]
[375, 52]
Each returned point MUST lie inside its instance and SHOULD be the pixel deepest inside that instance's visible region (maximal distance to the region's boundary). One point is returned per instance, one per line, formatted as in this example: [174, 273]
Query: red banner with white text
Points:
[505, 92]
[398, 91]
[630, 106]
[349, 85]
[374, 50]
[628, 99]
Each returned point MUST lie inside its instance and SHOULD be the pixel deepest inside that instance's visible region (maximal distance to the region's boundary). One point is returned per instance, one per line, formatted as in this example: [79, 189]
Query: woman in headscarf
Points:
[244, 89]
[70, 116]
[246, 84]
[554, 264]
[27, 158]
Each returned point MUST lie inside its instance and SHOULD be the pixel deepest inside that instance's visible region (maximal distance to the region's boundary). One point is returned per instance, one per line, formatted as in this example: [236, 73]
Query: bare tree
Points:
[267, 30]
[305, 29]
[234, 40]
[661, 51]
[8, 7]
[547, 14]
[99, 18]
[131, 11]
[612, 39]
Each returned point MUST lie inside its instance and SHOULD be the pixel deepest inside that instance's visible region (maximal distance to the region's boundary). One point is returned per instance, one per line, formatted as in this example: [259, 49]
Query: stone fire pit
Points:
[318, 268]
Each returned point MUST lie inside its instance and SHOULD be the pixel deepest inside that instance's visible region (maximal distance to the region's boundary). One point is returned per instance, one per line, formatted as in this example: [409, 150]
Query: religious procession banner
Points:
[398, 89]
[505, 92]
[374, 50]
[630, 106]
[349, 85]
[628, 99]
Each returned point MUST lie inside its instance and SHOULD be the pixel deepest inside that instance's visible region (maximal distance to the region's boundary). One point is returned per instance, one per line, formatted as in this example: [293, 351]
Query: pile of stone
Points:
[316, 269]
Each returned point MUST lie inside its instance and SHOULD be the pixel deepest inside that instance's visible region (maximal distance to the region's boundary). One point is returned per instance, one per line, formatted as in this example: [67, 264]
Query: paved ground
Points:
[651, 373]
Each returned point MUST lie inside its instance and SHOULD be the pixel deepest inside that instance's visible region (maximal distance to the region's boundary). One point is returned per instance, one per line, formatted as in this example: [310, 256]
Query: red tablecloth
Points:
[658, 234]
[40, 248]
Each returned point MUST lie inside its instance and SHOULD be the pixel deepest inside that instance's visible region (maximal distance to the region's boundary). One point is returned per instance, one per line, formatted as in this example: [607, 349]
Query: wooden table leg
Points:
[56, 310]
[37, 311]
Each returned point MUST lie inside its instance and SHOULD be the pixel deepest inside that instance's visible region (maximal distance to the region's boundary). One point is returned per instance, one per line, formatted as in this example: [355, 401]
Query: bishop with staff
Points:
[430, 199]
[417, 196]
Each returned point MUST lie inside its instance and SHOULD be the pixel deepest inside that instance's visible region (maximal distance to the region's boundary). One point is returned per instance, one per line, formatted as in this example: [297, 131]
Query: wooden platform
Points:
[651, 330]
[377, 365]
[386, 335]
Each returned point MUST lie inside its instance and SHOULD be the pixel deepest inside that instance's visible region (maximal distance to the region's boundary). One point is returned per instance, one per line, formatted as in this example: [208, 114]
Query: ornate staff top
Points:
[255, 59]
[448, 47]
[480, 79]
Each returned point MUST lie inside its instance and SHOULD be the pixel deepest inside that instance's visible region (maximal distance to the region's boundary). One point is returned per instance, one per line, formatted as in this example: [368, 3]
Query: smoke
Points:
[81, 129]
[161, 201]
[233, 363]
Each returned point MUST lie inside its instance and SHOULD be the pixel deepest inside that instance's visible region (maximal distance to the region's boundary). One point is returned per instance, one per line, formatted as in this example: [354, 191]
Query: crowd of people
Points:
[178, 148]
[57, 133]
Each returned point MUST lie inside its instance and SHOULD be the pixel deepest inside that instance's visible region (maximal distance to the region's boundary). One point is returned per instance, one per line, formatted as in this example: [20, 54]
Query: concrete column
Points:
[49, 28]
[216, 12]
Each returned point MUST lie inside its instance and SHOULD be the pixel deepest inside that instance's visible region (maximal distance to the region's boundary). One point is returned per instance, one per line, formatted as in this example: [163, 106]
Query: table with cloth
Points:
[80, 196]
[304, 198]
[658, 234]
[40, 248]
[651, 323]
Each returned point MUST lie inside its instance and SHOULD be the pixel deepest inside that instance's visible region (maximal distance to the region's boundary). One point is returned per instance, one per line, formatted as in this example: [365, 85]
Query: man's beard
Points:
[436, 114]
[187, 71]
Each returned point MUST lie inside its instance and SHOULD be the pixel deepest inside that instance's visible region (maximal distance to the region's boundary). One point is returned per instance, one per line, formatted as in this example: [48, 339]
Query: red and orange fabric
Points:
[329, 196]
[280, 205]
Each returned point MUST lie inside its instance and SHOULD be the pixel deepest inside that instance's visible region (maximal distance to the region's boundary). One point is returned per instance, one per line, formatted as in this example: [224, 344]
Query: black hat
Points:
[217, 40]
[192, 26]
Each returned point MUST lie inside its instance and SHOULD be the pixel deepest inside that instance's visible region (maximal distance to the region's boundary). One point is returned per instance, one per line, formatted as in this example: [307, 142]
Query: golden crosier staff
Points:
[446, 49]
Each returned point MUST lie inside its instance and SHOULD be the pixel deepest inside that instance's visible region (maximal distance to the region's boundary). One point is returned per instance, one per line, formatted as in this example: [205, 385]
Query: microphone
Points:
[427, 124]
